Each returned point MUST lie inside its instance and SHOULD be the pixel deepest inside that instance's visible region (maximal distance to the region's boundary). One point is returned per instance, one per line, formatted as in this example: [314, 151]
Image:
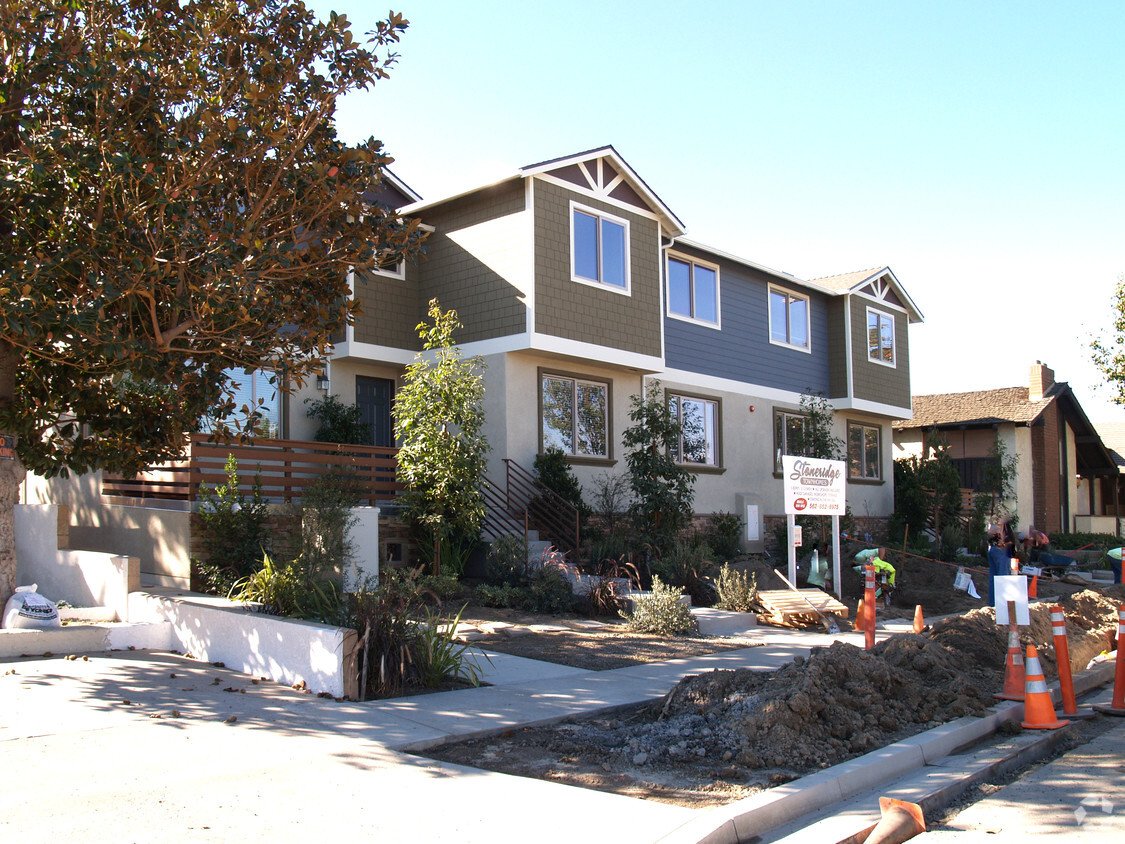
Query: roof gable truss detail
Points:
[599, 177]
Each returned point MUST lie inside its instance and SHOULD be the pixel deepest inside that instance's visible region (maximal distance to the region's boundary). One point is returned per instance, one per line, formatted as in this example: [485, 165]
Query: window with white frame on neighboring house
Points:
[574, 414]
[599, 248]
[880, 337]
[789, 318]
[395, 269]
[864, 460]
[790, 435]
[693, 290]
[255, 394]
[699, 430]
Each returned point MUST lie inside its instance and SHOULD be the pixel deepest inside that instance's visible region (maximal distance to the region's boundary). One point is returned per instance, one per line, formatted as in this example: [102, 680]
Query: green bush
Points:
[385, 617]
[504, 596]
[339, 422]
[724, 534]
[661, 613]
[286, 590]
[439, 656]
[234, 532]
[738, 590]
[444, 587]
[552, 468]
[1074, 541]
[551, 592]
[507, 561]
[685, 564]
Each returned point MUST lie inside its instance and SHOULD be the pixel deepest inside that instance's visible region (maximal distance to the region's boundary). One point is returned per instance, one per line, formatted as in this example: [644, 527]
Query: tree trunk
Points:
[11, 475]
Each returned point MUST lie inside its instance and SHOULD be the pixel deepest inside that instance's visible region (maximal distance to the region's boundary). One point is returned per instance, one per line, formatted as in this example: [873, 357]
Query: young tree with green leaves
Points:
[663, 496]
[1108, 350]
[438, 420]
[174, 203]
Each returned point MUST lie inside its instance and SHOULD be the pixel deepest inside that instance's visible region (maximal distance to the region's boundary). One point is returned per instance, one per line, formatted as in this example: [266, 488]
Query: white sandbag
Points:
[28, 609]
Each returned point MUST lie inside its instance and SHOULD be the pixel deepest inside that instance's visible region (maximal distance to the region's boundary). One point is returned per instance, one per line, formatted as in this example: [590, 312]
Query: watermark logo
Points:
[1090, 802]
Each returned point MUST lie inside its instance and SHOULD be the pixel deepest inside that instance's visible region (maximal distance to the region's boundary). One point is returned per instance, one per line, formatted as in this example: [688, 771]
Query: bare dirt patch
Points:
[720, 736]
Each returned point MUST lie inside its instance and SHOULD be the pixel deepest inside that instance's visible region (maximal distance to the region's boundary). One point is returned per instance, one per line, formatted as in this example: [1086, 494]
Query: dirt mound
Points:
[839, 702]
[1091, 618]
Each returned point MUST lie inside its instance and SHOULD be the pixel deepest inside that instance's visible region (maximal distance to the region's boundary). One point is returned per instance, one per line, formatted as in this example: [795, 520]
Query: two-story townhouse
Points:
[575, 283]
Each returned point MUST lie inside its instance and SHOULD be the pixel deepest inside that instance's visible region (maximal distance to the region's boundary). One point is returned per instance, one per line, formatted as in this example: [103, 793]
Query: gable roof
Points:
[621, 171]
[879, 283]
[979, 407]
[1113, 435]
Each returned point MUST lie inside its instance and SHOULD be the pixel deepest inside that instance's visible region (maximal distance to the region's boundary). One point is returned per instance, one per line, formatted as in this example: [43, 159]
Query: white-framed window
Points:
[255, 395]
[693, 290]
[789, 319]
[699, 430]
[599, 249]
[790, 434]
[880, 337]
[864, 457]
[395, 270]
[574, 414]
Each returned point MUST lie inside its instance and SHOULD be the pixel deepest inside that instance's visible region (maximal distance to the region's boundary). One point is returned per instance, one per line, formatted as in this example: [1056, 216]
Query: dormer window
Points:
[880, 337]
[599, 249]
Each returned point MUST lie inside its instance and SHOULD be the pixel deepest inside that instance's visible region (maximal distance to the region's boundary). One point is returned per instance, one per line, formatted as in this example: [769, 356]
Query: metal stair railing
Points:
[547, 512]
[499, 517]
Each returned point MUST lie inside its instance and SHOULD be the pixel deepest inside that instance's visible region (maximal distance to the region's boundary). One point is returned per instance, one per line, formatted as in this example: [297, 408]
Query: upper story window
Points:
[574, 415]
[392, 270]
[880, 337]
[790, 435]
[693, 290]
[863, 452]
[789, 319]
[599, 249]
[699, 430]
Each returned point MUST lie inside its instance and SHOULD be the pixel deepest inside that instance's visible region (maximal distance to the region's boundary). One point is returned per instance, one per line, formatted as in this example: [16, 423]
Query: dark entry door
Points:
[374, 397]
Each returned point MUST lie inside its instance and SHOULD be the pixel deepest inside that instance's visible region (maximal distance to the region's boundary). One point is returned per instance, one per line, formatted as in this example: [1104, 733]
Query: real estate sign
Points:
[813, 486]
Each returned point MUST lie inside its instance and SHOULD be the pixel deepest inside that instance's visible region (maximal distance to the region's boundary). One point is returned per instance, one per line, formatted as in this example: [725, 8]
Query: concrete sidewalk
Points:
[142, 746]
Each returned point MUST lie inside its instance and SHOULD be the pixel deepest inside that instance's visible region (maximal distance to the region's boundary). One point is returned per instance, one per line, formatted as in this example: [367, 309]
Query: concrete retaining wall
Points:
[286, 650]
[81, 578]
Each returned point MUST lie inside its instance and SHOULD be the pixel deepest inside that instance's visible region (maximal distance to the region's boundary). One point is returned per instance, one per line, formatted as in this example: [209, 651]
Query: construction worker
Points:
[999, 561]
[884, 576]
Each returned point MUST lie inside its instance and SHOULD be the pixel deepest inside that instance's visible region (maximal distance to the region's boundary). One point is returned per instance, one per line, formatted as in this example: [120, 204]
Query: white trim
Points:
[807, 349]
[784, 276]
[608, 200]
[593, 354]
[893, 364]
[627, 290]
[849, 364]
[529, 210]
[686, 380]
[882, 303]
[398, 273]
[684, 258]
[873, 407]
[372, 353]
[349, 328]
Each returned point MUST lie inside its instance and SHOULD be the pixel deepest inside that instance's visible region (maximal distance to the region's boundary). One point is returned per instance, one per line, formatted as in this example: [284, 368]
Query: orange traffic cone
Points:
[1062, 658]
[1117, 707]
[1038, 709]
[901, 821]
[1033, 587]
[1013, 668]
[919, 622]
[859, 617]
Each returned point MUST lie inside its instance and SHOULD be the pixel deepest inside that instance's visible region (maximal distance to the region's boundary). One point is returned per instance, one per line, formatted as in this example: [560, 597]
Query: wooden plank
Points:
[790, 608]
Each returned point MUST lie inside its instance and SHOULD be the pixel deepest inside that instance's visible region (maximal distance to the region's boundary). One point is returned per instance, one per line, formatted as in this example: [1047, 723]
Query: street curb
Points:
[744, 819]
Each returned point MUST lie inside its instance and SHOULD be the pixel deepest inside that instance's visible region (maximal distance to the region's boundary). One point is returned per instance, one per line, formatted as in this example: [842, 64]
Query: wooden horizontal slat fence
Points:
[286, 469]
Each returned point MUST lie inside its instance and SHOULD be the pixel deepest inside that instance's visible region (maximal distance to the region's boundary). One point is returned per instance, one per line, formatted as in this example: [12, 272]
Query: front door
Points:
[374, 397]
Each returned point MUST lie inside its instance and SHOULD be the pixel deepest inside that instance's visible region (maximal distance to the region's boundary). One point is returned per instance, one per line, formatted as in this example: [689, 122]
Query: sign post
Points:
[814, 487]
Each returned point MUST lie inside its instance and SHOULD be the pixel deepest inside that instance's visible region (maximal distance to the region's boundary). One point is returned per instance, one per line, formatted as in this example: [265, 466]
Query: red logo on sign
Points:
[800, 504]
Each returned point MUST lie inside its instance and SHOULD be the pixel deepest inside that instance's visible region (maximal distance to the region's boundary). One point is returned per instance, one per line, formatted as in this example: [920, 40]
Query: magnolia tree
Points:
[174, 203]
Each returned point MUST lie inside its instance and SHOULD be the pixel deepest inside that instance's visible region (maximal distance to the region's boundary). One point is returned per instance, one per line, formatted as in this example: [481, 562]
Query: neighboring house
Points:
[1060, 457]
[1112, 492]
[576, 284]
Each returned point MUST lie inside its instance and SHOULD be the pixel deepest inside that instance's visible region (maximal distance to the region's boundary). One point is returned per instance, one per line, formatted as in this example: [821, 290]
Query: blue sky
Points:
[975, 148]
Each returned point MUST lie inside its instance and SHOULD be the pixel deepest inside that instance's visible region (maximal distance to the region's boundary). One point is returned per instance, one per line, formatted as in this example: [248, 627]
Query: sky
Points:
[976, 148]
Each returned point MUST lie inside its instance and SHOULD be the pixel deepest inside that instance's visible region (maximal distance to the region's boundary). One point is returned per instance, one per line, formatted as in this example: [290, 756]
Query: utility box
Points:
[749, 507]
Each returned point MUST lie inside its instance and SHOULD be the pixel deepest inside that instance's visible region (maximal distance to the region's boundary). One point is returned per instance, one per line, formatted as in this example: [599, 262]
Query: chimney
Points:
[1042, 379]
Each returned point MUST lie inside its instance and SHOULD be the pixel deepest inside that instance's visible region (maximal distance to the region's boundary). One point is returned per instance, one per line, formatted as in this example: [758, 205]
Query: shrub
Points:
[551, 592]
[385, 617]
[234, 532]
[507, 561]
[439, 655]
[339, 422]
[738, 590]
[684, 564]
[326, 523]
[552, 468]
[1074, 541]
[661, 613]
[724, 534]
[444, 587]
[286, 590]
[601, 598]
[504, 596]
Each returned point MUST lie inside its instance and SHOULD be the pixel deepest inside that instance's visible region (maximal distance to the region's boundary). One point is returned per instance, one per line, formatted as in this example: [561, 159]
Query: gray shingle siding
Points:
[742, 350]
